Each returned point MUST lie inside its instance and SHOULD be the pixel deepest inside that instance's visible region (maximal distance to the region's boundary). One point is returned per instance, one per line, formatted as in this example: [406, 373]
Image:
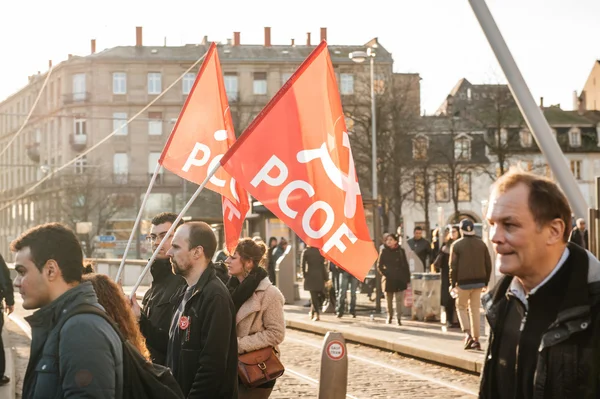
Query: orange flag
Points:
[202, 135]
[295, 158]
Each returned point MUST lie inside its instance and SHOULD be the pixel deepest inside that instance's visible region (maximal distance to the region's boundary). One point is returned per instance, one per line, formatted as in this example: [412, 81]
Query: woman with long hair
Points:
[259, 307]
[111, 297]
[393, 265]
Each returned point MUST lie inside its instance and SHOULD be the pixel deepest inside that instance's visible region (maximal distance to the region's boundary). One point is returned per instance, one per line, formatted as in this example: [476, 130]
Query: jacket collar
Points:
[253, 304]
[206, 276]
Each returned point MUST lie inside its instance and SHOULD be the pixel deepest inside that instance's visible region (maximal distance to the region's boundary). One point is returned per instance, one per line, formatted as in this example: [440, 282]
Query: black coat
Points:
[207, 366]
[579, 238]
[566, 363]
[158, 307]
[6, 287]
[313, 269]
[442, 265]
[393, 265]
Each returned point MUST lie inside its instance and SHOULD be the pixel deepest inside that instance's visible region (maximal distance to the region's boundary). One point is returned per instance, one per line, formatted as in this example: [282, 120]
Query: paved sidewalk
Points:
[8, 391]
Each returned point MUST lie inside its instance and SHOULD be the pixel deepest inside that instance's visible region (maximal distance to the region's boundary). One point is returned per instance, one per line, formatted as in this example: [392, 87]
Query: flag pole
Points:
[137, 223]
[187, 206]
[538, 125]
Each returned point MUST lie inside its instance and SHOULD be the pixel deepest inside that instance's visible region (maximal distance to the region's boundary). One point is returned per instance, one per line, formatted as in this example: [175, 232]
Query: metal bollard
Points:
[333, 379]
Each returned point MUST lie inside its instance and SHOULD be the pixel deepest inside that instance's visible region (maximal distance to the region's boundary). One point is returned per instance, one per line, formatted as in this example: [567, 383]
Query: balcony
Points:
[78, 142]
[76, 98]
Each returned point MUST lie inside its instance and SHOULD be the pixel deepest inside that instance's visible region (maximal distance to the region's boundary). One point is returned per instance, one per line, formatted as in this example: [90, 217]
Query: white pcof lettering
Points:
[192, 161]
[220, 135]
[330, 218]
[233, 211]
[214, 179]
[285, 194]
[233, 189]
[336, 239]
[263, 174]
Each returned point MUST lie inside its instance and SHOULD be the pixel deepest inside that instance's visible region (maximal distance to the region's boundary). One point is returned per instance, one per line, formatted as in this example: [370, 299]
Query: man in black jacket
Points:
[579, 235]
[202, 348]
[159, 301]
[6, 294]
[545, 313]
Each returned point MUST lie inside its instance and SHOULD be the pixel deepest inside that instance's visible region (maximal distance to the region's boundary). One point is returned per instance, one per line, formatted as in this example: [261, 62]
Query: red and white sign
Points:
[295, 158]
[335, 350]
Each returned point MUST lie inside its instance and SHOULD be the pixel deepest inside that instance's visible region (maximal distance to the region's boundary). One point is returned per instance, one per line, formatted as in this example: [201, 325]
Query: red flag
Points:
[202, 135]
[295, 158]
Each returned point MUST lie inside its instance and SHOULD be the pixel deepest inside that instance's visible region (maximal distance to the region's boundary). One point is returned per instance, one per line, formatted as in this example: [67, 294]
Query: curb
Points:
[419, 352]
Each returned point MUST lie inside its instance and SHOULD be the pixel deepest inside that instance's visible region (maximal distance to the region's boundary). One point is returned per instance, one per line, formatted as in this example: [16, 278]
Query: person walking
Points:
[259, 307]
[579, 234]
[393, 265]
[470, 270]
[6, 295]
[442, 265]
[314, 270]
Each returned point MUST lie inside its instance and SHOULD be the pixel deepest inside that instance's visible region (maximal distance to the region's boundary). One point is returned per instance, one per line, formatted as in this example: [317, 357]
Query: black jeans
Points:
[2, 358]
[316, 302]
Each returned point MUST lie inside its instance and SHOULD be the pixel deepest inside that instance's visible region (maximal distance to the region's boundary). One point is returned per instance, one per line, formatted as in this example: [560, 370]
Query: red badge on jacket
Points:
[184, 322]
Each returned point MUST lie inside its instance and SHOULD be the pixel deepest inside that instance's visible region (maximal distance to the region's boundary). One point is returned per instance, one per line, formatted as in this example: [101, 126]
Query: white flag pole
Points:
[531, 112]
[210, 174]
[137, 223]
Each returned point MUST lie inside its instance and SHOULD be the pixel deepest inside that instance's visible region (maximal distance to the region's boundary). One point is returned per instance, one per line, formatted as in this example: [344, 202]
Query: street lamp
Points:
[360, 57]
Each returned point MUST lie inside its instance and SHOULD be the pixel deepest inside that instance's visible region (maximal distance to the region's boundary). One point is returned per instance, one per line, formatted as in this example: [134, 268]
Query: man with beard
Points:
[158, 304]
[202, 347]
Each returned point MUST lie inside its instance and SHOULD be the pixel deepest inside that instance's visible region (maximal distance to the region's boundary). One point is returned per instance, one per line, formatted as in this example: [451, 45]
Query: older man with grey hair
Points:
[579, 234]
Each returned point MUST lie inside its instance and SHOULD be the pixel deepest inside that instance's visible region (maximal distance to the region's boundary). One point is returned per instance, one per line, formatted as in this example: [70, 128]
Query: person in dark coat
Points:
[271, 259]
[202, 347]
[6, 294]
[393, 264]
[314, 270]
[579, 234]
[442, 265]
[158, 302]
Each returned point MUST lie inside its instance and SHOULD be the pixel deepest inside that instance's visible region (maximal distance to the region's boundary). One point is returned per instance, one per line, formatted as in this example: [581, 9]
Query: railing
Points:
[131, 272]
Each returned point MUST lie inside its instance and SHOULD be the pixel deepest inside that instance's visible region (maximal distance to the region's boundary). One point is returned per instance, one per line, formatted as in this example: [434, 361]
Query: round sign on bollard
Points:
[333, 379]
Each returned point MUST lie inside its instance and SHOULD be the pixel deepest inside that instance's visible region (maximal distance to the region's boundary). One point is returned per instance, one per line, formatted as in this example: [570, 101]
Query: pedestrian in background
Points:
[6, 294]
[271, 259]
[259, 307]
[579, 234]
[393, 264]
[442, 265]
[314, 270]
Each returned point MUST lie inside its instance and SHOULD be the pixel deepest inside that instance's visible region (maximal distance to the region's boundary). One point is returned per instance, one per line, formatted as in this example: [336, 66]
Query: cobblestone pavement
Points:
[372, 373]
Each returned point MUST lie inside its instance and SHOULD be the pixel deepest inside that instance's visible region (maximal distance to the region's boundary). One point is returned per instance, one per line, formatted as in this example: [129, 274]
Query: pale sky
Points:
[555, 42]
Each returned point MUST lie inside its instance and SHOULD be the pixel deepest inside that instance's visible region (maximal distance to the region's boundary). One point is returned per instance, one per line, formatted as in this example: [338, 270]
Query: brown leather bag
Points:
[258, 367]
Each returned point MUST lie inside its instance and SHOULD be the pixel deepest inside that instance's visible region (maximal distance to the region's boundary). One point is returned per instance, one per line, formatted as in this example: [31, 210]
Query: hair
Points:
[88, 269]
[249, 249]
[111, 297]
[395, 236]
[53, 241]
[546, 200]
[272, 239]
[418, 228]
[257, 239]
[166, 217]
[202, 235]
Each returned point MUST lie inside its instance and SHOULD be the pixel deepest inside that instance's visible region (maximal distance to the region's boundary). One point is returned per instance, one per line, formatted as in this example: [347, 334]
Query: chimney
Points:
[267, 36]
[293, 42]
[323, 34]
[49, 64]
[308, 38]
[204, 40]
[93, 43]
[138, 36]
[542, 102]
[229, 42]
[236, 38]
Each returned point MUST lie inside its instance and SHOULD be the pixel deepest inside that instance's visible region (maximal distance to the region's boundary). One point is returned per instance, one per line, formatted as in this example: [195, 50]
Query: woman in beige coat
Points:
[259, 306]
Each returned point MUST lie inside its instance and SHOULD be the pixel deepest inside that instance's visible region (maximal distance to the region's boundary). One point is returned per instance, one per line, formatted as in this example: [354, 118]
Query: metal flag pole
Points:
[187, 206]
[531, 112]
[137, 223]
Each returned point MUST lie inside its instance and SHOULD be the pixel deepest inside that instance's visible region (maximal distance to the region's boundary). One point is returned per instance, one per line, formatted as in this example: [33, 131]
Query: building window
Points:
[420, 146]
[155, 123]
[120, 167]
[260, 83]
[80, 165]
[575, 137]
[379, 83]
[554, 134]
[119, 83]
[285, 76]
[462, 149]
[503, 138]
[346, 83]
[188, 83]
[419, 188]
[463, 184]
[79, 87]
[153, 158]
[231, 86]
[576, 169]
[120, 123]
[526, 138]
[442, 187]
[154, 83]
[80, 127]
